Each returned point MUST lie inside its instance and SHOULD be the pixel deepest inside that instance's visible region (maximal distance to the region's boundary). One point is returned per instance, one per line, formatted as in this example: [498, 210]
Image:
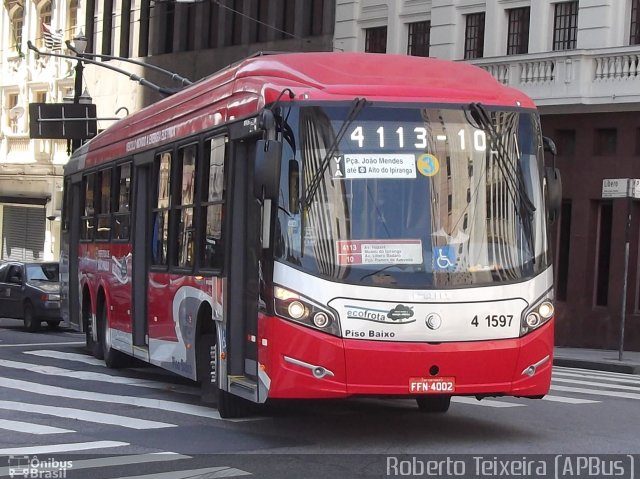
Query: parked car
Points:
[31, 291]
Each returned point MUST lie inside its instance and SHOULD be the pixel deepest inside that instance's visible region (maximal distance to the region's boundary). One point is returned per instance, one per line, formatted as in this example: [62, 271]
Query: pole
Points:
[77, 91]
[627, 235]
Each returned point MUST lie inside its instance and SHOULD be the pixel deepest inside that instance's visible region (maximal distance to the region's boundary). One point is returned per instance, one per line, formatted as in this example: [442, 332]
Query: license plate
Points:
[432, 385]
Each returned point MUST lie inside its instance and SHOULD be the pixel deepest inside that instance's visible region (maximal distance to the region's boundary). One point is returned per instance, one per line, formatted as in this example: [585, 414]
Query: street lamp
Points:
[79, 45]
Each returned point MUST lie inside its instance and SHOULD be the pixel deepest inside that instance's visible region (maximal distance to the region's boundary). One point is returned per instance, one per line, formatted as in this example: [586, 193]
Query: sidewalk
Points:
[600, 359]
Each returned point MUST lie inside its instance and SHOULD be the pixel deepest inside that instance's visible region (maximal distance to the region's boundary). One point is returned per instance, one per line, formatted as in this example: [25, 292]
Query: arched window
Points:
[44, 22]
[17, 24]
[72, 20]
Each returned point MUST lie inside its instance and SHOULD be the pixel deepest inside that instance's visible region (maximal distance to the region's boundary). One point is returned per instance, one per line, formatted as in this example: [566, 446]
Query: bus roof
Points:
[243, 88]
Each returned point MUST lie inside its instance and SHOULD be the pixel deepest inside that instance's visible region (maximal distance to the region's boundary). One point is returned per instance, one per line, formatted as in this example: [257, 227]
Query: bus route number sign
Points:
[444, 385]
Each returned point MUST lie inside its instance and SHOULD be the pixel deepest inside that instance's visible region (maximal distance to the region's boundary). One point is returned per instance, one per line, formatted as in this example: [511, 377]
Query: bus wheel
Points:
[434, 404]
[208, 364]
[94, 347]
[112, 358]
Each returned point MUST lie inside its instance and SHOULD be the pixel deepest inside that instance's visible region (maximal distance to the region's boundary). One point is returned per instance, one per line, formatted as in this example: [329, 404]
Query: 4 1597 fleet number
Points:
[493, 320]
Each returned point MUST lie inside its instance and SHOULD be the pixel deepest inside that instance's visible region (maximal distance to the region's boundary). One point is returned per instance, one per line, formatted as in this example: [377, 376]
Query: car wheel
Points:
[30, 322]
[113, 358]
[434, 404]
[53, 324]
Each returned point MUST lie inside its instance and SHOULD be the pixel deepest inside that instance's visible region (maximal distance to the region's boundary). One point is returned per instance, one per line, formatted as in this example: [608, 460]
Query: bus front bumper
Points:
[303, 363]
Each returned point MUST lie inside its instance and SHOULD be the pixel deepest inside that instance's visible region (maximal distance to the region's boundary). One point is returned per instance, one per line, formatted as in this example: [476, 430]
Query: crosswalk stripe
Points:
[596, 392]
[51, 448]
[597, 384]
[568, 400]
[163, 405]
[628, 380]
[80, 358]
[91, 376]
[594, 372]
[30, 428]
[83, 415]
[484, 402]
[67, 343]
[208, 472]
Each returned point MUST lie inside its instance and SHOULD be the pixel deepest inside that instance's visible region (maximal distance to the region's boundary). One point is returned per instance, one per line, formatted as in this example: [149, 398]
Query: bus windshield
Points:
[412, 197]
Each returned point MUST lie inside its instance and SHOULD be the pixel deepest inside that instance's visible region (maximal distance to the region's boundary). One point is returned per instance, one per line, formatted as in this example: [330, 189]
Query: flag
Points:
[52, 39]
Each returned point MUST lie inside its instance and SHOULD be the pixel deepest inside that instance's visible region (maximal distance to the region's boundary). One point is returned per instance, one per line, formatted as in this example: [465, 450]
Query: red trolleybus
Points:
[321, 225]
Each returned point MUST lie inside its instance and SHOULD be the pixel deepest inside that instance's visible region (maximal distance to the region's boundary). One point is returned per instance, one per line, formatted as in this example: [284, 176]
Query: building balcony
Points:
[605, 79]
[21, 155]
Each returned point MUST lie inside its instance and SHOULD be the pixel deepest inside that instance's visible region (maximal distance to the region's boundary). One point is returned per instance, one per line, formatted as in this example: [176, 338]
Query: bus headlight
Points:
[295, 307]
[534, 317]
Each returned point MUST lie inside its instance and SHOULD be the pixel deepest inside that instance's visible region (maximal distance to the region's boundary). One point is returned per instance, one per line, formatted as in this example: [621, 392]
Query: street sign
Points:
[634, 188]
[70, 121]
[615, 187]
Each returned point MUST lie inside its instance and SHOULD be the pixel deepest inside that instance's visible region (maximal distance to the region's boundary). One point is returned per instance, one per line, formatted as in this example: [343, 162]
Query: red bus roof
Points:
[243, 88]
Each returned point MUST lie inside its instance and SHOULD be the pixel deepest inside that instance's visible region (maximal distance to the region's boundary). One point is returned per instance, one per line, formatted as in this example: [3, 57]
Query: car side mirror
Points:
[554, 192]
[549, 145]
[15, 279]
[266, 179]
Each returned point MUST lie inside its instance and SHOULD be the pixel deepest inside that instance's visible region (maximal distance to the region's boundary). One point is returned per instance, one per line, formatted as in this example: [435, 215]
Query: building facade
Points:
[31, 170]
[580, 62]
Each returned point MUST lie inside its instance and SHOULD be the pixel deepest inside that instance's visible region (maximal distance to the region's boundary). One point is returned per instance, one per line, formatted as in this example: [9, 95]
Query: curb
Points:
[596, 365]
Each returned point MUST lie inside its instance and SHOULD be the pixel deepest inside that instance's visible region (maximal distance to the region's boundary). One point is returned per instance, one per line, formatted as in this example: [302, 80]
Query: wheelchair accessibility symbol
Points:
[444, 258]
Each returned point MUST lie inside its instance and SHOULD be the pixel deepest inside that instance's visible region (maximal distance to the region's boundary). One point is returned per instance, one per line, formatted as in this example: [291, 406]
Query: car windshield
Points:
[43, 272]
[413, 196]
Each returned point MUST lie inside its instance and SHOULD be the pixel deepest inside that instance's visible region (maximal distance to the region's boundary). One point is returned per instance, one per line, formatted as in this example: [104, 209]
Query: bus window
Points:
[186, 240]
[89, 208]
[160, 233]
[212, 205]
[104, 204]
[122, 216]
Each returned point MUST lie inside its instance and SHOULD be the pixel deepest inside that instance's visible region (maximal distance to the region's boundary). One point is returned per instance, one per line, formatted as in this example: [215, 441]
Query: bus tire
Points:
[208, 367]
[434, 404]
[93, 347]
[113, 358]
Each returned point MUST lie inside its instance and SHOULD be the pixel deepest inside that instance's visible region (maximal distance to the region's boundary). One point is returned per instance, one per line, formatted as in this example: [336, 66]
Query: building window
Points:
[518, 35]
[17, 24]
[72, 20]
[474, 36]
[125, 28]
[419, 37]
[44, 17]
[605, 142]
[288, 19]
[375, 40]
[316, 19]
[566, 142]
[605, 221]
[634, 37]
[261, 26]
[565, 26]
[169, 31]
[214, 21]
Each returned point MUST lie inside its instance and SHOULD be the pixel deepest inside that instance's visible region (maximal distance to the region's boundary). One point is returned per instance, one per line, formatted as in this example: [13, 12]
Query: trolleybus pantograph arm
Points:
[132, 76]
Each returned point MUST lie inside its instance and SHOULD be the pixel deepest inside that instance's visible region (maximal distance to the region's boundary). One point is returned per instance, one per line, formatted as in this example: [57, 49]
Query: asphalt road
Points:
[65, 408]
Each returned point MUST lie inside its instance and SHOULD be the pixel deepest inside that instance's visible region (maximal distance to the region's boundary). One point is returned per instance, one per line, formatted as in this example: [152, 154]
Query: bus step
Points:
[244, 387]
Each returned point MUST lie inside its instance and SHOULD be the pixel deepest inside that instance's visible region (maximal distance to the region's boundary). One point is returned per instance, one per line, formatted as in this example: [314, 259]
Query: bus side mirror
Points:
[549, 145]
[266, 178]
[554, 192]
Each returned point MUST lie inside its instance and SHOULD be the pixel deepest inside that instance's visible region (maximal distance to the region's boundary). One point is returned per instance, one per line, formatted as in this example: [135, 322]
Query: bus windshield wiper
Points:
[356, 107]
[511, 173]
